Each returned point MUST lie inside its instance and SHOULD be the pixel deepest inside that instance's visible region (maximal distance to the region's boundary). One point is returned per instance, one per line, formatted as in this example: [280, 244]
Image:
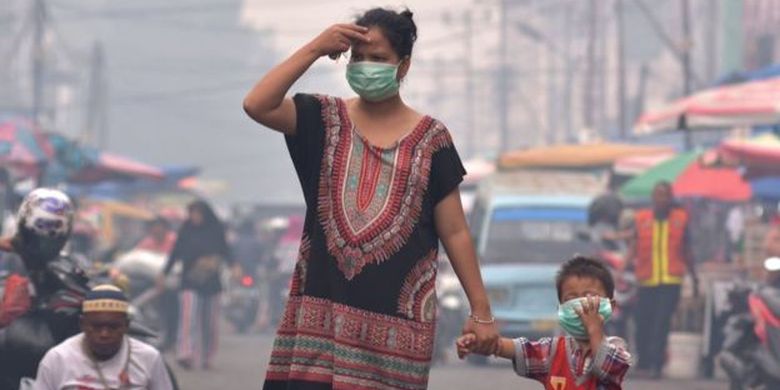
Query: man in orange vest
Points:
[661, 258]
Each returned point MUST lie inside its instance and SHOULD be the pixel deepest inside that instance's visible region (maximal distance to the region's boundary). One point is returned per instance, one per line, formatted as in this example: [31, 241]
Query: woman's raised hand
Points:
[338, 38]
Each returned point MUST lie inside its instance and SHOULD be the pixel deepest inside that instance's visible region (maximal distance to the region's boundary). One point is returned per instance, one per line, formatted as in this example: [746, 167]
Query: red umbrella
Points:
[691, 177]
[748, 104]
[760, 156]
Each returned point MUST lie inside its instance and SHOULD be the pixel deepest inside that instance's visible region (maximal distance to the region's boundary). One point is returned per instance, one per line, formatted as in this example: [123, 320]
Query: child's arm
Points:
[531, 359]
[466, 344]
[612, 361]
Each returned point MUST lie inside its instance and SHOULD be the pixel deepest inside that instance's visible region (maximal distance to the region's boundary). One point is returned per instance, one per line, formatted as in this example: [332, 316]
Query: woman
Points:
[380, 182]
[202, 248]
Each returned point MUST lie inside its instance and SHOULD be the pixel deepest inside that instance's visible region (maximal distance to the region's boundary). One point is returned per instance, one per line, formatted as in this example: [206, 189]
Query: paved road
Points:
[242, 360]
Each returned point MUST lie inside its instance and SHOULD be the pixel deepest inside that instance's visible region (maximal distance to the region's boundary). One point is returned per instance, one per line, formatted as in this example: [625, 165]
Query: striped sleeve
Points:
[611, 363]
[532, 358]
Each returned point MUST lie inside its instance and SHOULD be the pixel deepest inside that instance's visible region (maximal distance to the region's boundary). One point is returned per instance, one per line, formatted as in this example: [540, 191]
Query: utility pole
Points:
[621, 69]
[471, 146]
[686, 63]
[38, 59]
[95, 113]
[590, 67]
[569, 74]
[503, 78]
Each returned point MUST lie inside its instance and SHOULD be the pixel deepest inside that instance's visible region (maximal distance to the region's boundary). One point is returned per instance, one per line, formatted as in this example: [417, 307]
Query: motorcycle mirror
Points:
[772, 264]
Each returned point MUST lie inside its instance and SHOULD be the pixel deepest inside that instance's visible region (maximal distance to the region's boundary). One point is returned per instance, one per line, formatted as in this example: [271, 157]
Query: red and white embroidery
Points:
[323, 341]
[301, 267]
[370, 199]
[417, 300]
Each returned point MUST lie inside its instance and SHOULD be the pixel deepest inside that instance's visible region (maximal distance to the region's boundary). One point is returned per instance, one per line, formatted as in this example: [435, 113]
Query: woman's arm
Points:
[454, 234]
[266, 102]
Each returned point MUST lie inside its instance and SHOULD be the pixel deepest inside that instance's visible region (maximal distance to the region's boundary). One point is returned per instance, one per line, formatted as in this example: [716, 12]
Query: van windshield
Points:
[535, 235]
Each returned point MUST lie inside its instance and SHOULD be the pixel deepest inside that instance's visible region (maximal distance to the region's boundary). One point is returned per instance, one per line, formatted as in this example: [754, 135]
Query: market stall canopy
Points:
[766, 188]
[748, 104]
[80, 164]
[636, 165]
[583, 156]
[691, 177]
[767, 72]
[23, 148]
[759, 156]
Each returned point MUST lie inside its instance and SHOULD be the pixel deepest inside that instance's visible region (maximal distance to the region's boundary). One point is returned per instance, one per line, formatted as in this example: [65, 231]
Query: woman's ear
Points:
[613, 303]
[403, 68]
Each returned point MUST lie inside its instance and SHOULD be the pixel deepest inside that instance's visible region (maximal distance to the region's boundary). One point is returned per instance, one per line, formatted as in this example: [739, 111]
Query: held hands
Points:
[337, 39]
[465, 344]
[479, 338]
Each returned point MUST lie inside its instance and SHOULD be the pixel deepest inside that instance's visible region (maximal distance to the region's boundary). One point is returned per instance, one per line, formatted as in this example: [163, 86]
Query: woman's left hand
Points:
[486, 336]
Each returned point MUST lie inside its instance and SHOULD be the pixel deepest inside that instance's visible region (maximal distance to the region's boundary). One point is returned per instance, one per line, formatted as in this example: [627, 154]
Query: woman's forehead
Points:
[379, 43]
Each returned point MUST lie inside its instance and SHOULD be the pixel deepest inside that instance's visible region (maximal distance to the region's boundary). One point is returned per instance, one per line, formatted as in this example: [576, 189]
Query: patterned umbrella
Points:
[760, 156]
[23, 148]
[692, 178]
[748, 104]
[78, 164]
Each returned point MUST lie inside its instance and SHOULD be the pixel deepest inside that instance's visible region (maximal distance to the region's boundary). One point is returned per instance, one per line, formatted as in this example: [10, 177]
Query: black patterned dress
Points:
[361, 312]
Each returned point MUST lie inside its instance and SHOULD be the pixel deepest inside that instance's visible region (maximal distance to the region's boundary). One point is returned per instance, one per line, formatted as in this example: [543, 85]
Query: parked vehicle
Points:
[751, 348]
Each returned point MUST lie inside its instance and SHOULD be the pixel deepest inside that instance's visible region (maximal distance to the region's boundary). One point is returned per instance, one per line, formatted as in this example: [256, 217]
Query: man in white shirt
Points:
[103, 357]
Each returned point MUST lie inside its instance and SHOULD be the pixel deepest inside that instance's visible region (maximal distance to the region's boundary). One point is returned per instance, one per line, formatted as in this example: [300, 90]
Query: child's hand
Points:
[465, 344]
[591, 319]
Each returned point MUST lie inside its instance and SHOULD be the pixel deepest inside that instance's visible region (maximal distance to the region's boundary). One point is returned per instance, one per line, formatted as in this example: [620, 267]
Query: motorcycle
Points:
[750, 353]
[53, 317]
[242, 300]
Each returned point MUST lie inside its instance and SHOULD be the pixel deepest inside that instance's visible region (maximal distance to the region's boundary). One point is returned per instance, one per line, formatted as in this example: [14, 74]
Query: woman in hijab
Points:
[202, 249]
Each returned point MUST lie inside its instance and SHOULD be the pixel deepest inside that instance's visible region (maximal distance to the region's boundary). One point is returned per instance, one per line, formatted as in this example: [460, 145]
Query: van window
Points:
[535, 235]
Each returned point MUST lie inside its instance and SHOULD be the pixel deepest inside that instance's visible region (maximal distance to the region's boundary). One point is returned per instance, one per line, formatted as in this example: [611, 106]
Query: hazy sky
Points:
[178, 71]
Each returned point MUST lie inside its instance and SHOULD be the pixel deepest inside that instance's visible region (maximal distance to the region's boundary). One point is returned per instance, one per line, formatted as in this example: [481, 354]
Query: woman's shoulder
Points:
[437, 130]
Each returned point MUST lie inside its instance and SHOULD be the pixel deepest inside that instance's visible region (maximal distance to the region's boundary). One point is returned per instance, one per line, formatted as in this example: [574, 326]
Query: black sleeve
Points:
[173, 256]
[305, 147]
[447, 173]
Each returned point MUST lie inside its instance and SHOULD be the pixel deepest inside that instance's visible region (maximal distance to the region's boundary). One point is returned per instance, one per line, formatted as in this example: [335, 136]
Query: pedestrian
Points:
[380, 182]
[771, 243]
[201, 247]
[159, 238]
[661, 254]
[103, 356]
[584, 359]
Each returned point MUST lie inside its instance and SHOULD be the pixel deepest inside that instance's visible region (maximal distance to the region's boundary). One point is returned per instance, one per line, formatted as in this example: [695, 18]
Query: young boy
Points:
[584, 359]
